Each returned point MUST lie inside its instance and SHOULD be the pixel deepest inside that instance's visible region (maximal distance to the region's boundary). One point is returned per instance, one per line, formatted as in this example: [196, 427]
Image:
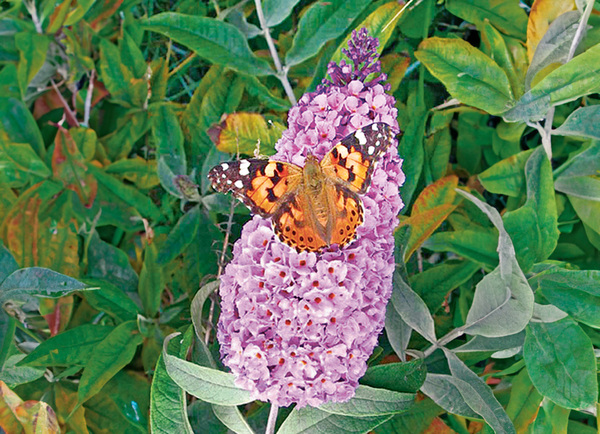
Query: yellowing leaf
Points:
[17, 416]
[240, 132]
[68, 165]
[543, 12]
[9, 403]
[429, 211]
[394, 66]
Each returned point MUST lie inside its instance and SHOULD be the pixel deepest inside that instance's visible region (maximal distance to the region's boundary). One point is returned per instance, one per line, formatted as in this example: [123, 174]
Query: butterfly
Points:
[314, 206]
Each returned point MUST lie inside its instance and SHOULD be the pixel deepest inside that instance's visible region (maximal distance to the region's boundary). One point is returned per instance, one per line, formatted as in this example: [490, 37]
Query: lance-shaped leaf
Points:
[544, 12]
[214, 40]
[503, 302]
[68, 165]
[582, 123]
[505, 15]
[323, 21]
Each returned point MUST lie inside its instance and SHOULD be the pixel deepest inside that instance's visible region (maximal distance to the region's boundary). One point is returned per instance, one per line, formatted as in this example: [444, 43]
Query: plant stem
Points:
[546, 133]
[456, 333]
[281, 70]
[272, 419]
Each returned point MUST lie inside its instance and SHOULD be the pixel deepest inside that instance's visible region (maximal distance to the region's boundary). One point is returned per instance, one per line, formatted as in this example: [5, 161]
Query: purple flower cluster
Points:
[299, 327]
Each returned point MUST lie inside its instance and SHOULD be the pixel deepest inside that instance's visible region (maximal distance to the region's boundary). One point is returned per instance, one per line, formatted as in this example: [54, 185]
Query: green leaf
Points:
[574, 79]
[414, 420]
[180, 237]
[69, 348]
[109, 263]
[445, 393]
[478, 395]
[108, 358]
[534, 226]
[477, 245]
[9, 82]
[434, 284]
[168, 407]
[120, 81]
[400, 377]
[397, 331]
[8, 264]
[127, 194]
[207, 384]
[505, 15]
[503, 301]
[311, 420]
[581, 123]
[481, 343]
[495, 46]
[196, 307]
[524, 401]
[468, 74]
[506, 176]
[322, 22]
[17, 125]
[369, 402]
[13, 374]
[369, 408]
[582, 187]
[170, 153]
[130, 129]
[20, 165]
[412, 151]
[24, 285]
[575, 292]
[276, 11]
[232, 418]
[412, 309]
[213, 40]
[33, 48]
[151, 282]
[561, 363]
[112, 300]
[264, 95]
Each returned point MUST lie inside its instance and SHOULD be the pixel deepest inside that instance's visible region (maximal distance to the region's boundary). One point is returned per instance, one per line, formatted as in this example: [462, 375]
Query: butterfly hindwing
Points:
[294, 225]
[351, 161]
[260, 184]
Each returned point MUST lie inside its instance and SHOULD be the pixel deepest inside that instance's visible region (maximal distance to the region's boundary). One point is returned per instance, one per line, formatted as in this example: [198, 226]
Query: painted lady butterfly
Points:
[312, 206]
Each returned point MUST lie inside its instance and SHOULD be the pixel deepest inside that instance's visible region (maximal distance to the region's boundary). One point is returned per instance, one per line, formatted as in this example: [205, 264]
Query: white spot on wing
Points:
[371, 150]
[374, 127]
[244, 165]
[360, 136]
[239, 183]
[225, 166]
[229, 182]
[223, 176]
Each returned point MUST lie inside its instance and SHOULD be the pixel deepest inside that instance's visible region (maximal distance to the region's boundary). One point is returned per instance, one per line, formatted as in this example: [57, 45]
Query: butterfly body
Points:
[314, 206]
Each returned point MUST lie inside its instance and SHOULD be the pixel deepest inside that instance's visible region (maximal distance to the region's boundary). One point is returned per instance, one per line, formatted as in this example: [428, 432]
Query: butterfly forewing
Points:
[259, 183]
[351, 161]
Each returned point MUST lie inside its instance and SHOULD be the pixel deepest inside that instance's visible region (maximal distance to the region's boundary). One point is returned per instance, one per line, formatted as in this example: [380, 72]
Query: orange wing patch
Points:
[351, 161]
[348, 218]
[295, 228]
[260, 184]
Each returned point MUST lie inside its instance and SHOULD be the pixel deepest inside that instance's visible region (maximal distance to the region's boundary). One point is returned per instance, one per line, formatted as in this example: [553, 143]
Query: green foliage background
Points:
[111, 115]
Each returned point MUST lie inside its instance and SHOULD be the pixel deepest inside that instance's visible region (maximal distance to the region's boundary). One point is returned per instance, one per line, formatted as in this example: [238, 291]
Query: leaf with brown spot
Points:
[9, 404]
[543, 12]
[60, 312]
[68, 165]
[429, 211]
[41, 418]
